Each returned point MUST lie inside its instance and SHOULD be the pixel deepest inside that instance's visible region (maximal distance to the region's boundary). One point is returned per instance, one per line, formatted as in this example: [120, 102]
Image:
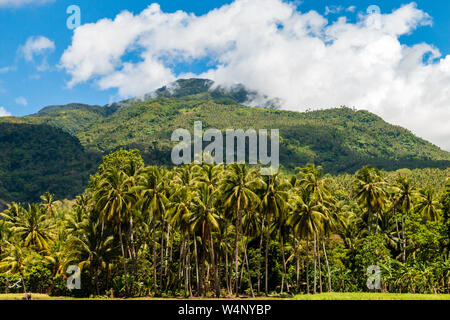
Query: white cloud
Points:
[37, 46]
[21, 100]
[20, 3]
[333, 9]
[4, 113]
[271, 47]
[7, 69]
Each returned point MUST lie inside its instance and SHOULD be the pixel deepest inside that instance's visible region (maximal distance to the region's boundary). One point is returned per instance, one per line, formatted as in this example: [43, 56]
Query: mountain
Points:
[340, 139]
[39, 158]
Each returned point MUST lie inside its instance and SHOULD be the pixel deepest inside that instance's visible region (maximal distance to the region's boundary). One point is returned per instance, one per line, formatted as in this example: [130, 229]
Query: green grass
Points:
[34, 296]
[372, 296]
[323, 296]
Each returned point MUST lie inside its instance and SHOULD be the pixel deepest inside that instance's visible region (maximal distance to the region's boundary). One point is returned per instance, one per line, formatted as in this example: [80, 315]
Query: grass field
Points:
[372, 296]
[323, 296]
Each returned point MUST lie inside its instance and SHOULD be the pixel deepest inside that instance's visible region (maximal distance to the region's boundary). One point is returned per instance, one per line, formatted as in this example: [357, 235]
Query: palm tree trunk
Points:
[297, 270]
[227, 275]
[319, 263]
[404, 236]
[123, 258]
[328, 266]
[267, 257]
[307, 265]
[315, 265]
[155, 286]
[260, 255]
[248, 269]
[215, 267]
[236, 247]
[161, 255]
[284, 265]
[188, 265]
[23, 282]
[396, 228]
[197, 277]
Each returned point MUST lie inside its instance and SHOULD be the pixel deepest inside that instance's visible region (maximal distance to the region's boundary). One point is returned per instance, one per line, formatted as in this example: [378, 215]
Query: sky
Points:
[389, 57]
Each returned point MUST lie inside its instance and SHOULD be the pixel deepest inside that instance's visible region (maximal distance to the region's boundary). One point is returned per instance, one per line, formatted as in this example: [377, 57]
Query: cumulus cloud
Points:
[272, 47]
[4, 113]
[19, 3]
[21, 100]
[37, 46]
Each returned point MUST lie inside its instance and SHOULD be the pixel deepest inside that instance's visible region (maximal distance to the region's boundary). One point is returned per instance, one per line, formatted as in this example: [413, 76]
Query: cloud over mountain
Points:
[19, 3]
[271, 47]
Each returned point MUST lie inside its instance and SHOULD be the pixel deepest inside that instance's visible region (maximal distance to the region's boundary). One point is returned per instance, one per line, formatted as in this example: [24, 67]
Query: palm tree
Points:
[48, 203]
[153, 202]
[274, 206]
[370, 192]
[14, 259]
[113, 199]
[179, 215]
[307, 219]
[404, 200]
[427, 204]
[205, 220]
[34, 228]
[238, 190]
[90, 250]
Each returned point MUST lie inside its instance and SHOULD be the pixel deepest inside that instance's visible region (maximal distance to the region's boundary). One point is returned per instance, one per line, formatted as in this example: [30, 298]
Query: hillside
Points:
[340, 139]
[39, 158]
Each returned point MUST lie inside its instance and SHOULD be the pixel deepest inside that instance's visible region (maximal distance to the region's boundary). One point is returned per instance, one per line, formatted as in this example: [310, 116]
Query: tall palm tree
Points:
[238, 190]
[113, 199]
[179, 215]
[274, 206]
[153, 202]
[370, 192]
[404, 200]
[307, 219]
[91, 250]
[205, 221]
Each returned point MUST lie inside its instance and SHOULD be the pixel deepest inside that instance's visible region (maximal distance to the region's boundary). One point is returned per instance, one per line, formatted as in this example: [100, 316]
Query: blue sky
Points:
[49, 20]
[27, 85]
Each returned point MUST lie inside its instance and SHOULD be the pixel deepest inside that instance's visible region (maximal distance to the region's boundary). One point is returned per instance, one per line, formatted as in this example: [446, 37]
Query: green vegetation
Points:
[38, 158]
[226, 231]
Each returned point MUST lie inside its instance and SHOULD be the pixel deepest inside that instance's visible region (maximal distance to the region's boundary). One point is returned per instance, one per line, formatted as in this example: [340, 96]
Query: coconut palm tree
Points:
[204, 220]
[14, 258]
[91, 250]
[370, 192]
[238, 192]
[404, 200]
[153, 201]
[34, 228]
[275, 209]
[307, 219]
[427, 204]
[113, 199]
